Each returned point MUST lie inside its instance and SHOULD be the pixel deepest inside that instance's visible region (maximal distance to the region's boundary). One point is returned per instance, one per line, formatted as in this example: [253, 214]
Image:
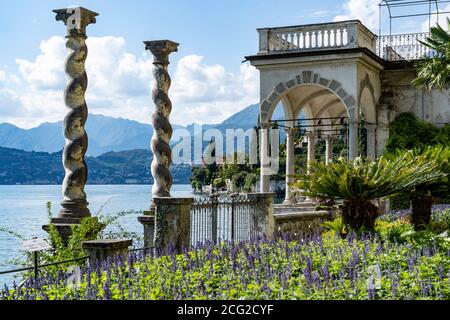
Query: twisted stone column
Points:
[162, 129]
[74, 205]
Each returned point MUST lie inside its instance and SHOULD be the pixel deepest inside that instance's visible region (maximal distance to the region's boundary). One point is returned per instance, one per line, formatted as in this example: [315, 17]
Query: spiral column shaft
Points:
[74, 205]
[162, 129]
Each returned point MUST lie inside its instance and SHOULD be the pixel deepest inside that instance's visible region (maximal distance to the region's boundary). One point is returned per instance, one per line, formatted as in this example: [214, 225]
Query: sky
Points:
[210, 82]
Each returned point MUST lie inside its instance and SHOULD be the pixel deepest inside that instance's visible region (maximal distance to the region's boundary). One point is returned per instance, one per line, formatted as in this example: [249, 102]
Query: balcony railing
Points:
[341, 35]
[403, 47]
[336, 35]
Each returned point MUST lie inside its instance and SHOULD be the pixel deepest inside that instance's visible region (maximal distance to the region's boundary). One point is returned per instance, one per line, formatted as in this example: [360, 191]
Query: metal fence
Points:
[36, 267]
[222, 217]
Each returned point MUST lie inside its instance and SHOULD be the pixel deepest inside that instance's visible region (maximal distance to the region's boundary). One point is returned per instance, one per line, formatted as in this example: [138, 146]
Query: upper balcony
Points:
[341, 35]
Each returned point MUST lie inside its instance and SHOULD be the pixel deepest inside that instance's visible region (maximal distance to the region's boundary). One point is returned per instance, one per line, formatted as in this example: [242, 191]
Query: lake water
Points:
[23, 209]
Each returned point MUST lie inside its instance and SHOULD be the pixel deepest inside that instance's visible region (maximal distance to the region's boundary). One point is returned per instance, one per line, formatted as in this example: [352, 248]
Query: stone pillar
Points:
[353, 140]
[328, 149]
[148, 221]
[173, 223]
[101, 250]
[290, 164]
[264, 157]
[311, 157]
[263, 218]
[384, 116]
[371, 141]
[74, 205]
[162, 129]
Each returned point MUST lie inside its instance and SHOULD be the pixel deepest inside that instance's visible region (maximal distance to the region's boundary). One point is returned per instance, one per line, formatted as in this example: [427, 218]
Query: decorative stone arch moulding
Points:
[306, 78]
[367, 84]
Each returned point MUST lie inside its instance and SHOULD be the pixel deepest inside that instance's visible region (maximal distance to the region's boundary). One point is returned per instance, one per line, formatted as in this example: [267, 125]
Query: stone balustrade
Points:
[347, 34]
[342, 35]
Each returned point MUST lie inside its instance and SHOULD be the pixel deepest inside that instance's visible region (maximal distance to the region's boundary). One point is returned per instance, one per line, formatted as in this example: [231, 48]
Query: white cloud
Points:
[208, 93]
[364, 10]
[45, 71]
[120, 86]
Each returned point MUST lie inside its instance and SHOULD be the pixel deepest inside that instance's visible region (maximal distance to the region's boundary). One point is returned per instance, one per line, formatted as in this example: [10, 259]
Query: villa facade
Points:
[340, 74]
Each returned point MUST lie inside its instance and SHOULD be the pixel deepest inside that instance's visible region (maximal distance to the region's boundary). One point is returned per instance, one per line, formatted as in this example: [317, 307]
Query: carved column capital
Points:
[76, 19]
[161, 49]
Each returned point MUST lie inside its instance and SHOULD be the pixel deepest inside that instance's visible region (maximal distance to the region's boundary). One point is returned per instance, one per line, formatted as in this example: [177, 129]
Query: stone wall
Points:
[430, 105]
[300, 225]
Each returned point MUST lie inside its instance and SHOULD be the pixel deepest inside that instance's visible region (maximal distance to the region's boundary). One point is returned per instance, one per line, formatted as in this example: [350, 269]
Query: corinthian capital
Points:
[76, 19]
[161, 49]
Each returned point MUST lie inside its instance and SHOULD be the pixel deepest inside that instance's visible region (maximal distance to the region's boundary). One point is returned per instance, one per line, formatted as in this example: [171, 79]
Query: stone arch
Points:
[366, 100]
[303, 79]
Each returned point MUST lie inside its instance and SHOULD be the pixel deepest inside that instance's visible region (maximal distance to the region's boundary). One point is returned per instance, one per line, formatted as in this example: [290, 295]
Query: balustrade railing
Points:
[346, 34]
[222, 218]
[342, 35]
[403, 47]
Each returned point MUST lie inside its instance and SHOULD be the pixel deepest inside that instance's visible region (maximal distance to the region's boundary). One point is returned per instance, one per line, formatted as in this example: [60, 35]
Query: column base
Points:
[74, 209]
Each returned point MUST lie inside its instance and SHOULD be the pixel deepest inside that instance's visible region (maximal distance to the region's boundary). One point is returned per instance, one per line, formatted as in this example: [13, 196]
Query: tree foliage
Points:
[434, 71]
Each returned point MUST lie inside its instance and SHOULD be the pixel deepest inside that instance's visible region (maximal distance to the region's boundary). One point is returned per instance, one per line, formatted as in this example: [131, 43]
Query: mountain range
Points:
[108, 134]
[118, 150]
[42, 168]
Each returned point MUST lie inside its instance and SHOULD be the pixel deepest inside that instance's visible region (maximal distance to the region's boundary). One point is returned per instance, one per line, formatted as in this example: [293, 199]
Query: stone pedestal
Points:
[100, 250]
[263, 219]
[172, 223]
[148, 221]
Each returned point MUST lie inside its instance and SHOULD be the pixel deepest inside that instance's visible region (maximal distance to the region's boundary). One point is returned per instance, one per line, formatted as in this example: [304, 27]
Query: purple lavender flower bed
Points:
[320, 268]
[406, 213]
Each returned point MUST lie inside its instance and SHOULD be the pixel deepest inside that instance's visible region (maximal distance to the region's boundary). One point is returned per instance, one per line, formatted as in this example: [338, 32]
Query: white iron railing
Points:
[403, 47]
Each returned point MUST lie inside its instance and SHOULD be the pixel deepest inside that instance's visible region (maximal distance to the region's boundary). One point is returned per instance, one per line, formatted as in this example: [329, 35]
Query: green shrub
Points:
[337, 226]
[440, 220]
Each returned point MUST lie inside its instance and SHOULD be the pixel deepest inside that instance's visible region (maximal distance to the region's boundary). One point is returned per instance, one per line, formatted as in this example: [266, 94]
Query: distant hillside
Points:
[110, 134]
[125, 167]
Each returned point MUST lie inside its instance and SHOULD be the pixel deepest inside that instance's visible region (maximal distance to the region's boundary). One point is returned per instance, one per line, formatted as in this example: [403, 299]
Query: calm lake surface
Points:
[23, 209]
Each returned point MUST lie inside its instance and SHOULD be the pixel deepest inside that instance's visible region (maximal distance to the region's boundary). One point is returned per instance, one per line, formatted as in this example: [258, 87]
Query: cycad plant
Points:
[358, 182]
[434, 71]
[423, 195]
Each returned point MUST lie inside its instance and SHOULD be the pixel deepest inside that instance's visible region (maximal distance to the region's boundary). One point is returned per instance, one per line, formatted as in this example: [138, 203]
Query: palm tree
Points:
[358, 182]
[422, 196]
[434, 71]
